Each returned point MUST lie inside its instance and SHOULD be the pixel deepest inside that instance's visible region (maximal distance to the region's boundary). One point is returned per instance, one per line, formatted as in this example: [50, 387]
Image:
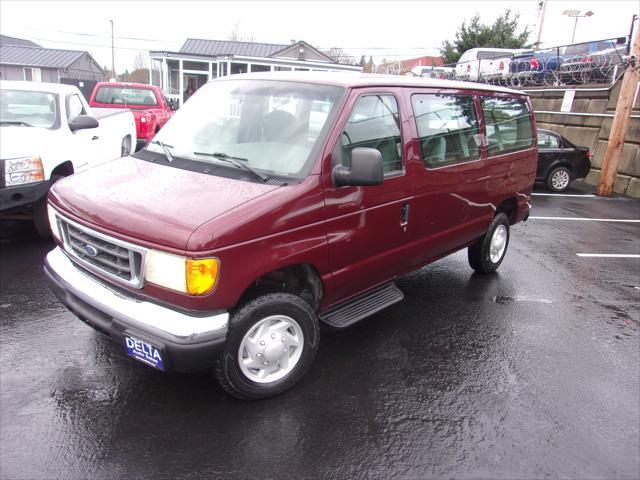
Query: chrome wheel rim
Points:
[560, 180]
[498, 243]
[271, 349]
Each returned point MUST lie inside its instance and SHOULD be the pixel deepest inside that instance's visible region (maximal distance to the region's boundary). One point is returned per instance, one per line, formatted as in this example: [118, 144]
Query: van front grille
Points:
[100, 253]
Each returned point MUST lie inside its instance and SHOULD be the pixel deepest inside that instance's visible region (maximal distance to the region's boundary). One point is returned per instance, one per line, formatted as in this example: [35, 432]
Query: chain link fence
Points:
[595, 62]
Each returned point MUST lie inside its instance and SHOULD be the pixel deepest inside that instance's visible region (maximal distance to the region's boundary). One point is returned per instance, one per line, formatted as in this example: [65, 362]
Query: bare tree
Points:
[340, 56]
[140, 61]
[140, 72]
[239, 37]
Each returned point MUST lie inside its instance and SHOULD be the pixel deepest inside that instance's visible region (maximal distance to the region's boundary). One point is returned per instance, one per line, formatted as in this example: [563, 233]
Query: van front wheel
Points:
[271, 343]
[486, 255]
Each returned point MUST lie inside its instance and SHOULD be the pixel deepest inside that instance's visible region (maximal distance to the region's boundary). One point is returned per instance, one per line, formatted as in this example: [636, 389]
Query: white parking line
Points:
[581, 219]
[608, 255]
[563, 195]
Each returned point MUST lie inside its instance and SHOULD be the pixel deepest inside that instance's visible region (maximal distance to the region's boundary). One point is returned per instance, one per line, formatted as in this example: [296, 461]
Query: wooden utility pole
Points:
[620, 120]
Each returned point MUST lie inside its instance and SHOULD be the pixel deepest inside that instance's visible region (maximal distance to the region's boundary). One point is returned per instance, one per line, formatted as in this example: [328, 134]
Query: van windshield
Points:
[270, 126]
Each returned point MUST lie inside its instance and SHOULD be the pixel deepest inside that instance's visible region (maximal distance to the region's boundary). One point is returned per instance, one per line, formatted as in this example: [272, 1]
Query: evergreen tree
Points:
[502, 34]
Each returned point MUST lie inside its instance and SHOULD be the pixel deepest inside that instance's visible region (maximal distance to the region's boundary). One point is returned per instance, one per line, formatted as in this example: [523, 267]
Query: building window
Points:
[198, 66]
[239, 68]
[32, 74]
[173, 69]
[156, 72]
[260, 68]
[279, 68]
[448, 129]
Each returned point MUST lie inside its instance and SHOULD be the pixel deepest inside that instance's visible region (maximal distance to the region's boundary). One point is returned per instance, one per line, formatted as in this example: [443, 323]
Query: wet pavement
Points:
[529, 373]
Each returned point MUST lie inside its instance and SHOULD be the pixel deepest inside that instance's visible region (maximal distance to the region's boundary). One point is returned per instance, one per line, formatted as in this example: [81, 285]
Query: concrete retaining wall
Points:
[592, 130]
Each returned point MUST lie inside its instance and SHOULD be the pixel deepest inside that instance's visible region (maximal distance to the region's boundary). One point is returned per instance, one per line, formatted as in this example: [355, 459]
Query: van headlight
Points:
[182, 274]
[18, 171]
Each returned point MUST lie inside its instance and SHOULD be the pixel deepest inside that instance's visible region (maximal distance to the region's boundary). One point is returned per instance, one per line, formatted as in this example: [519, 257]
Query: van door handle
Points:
[95, 137]
[404, 215]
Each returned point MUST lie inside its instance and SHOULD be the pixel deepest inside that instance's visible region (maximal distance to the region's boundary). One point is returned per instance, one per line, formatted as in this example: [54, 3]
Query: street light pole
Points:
[113, 63]
[575, 25]
[576, 14]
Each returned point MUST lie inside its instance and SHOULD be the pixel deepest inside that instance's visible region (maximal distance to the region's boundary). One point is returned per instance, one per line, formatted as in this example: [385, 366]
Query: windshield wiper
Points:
[15, 122]
[236, 161]
[165, 147]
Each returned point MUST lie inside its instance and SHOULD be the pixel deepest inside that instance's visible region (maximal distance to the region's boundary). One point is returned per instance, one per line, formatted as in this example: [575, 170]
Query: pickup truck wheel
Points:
[40, 217]
[559, 179]
[272, 341]
[486, 255]
[125, 148]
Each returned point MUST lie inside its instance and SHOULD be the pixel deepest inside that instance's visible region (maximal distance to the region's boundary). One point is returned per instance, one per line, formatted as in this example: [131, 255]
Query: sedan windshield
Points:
[28, 109]
[270, 126]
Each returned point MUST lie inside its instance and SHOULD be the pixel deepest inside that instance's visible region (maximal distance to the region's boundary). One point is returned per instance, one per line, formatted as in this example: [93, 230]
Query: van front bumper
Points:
[188, 342]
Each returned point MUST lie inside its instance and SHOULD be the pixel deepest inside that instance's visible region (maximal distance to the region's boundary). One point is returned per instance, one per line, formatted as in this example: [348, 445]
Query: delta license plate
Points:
[144, 352]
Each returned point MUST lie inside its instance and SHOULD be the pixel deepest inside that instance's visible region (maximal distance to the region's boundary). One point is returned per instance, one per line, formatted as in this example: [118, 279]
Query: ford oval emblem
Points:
[91, 250]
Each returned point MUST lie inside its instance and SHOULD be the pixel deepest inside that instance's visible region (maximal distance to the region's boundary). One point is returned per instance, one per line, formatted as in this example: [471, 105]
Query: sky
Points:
[382, 29]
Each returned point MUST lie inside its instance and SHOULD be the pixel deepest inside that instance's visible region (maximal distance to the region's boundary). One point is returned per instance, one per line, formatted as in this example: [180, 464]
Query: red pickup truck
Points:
[151, 109]
[274, 202]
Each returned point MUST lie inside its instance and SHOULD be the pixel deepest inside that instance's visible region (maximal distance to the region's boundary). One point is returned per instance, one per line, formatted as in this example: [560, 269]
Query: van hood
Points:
[153, 203]
[20, 141]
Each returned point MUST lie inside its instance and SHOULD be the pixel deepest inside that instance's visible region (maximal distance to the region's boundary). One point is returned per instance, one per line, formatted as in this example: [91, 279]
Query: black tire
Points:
[227, 369]
[479, 254]
[559, 179]
[40, 216]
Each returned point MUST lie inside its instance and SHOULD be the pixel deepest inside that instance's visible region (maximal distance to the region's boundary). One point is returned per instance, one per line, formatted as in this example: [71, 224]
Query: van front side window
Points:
[448, 129]
[375, 123]
[508, 124]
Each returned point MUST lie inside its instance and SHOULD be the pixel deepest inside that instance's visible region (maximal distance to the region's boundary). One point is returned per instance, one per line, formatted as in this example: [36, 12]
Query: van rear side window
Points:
[448, 129]
[508, 124]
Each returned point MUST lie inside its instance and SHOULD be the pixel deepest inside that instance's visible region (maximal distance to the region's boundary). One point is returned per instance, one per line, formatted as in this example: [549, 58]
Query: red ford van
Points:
[273, 202]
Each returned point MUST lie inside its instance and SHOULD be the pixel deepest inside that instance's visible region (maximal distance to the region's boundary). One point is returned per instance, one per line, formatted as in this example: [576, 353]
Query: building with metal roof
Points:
[181, 73]
[21, 61]
[7, 40]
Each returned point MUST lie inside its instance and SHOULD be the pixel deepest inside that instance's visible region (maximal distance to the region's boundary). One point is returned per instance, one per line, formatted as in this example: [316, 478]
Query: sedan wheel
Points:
[559, 179]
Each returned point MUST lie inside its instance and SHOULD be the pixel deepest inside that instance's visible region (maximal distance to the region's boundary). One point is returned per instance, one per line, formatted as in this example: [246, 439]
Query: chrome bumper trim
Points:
[139, 314]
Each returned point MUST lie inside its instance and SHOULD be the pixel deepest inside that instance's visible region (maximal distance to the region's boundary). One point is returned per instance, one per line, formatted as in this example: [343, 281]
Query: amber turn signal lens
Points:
[202, 275]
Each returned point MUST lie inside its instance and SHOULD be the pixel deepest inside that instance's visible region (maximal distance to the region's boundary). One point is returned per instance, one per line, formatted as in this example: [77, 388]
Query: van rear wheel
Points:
[271, 343]
[486, 255]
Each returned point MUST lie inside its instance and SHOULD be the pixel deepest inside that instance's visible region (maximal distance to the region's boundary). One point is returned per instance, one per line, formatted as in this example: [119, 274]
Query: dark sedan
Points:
[560, 161]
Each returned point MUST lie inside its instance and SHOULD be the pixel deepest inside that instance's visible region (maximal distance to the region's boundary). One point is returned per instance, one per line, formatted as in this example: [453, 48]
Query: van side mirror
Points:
[173, 104]
[366, 169]
[82, 122]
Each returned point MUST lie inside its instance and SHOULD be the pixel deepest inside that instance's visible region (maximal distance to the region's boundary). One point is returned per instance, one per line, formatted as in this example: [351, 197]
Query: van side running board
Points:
[346, 314]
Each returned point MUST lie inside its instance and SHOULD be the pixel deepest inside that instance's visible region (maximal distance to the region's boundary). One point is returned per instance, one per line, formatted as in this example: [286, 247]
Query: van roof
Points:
[360, 80]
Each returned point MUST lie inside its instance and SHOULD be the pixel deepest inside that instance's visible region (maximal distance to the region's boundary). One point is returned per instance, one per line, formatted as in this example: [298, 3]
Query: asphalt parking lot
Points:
[529, 373]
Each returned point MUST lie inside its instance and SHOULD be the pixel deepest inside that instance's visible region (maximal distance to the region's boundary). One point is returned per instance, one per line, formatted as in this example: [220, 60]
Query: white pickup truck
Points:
[488, 64]
[48, 132]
